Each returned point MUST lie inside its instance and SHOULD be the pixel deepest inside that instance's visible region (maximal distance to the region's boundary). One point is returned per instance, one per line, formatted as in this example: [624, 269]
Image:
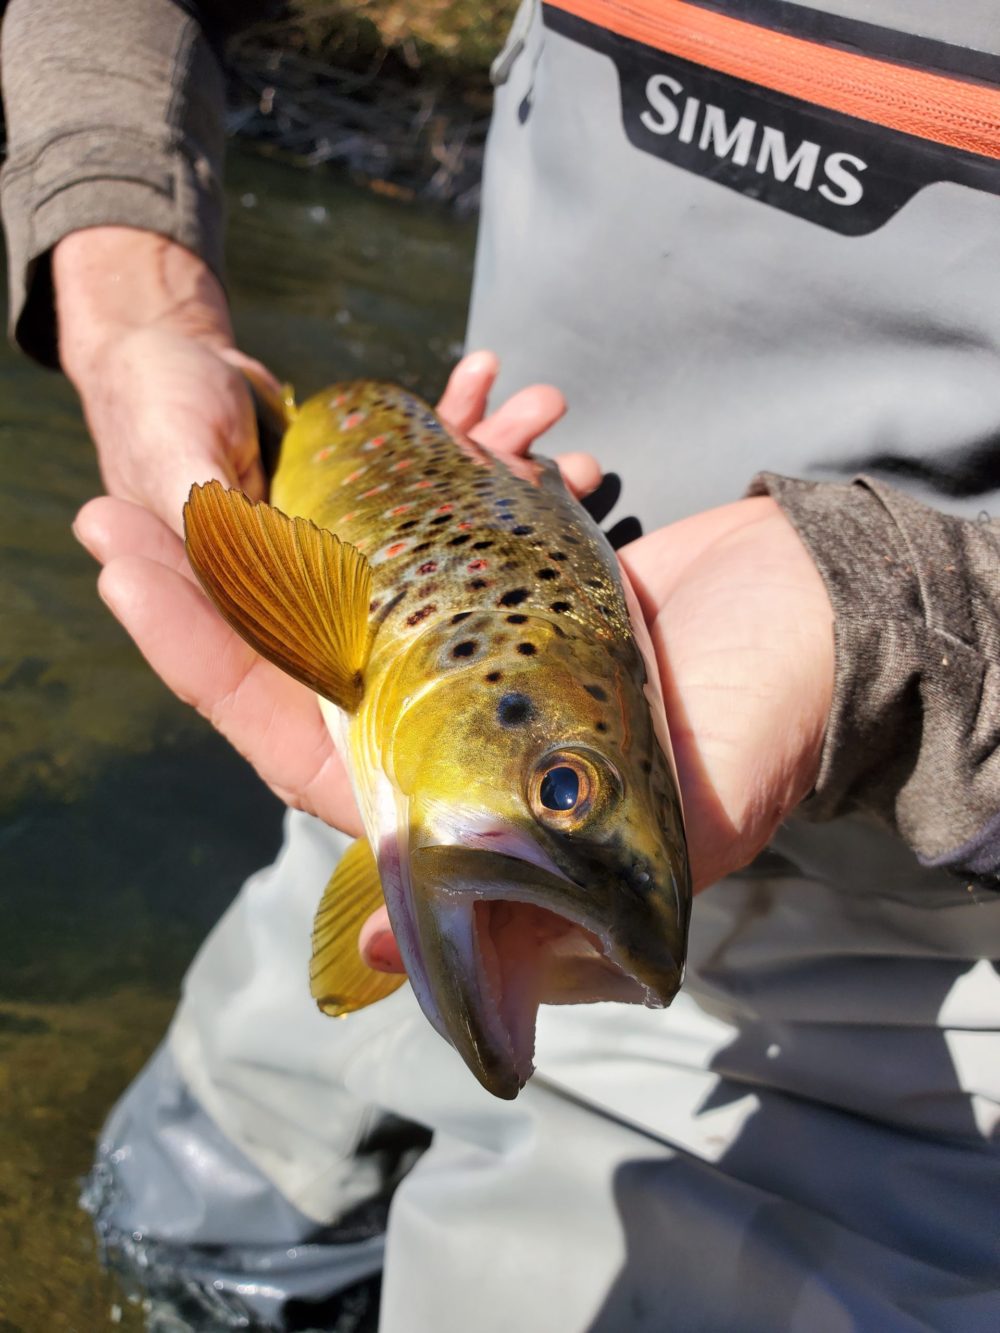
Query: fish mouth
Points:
[494, 936]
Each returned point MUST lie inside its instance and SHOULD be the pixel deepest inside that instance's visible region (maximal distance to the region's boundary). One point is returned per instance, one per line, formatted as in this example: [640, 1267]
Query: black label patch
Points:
[832, 169]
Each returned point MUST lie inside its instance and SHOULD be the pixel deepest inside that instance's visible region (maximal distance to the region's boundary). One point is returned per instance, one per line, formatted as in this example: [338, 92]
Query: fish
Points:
[484, 670]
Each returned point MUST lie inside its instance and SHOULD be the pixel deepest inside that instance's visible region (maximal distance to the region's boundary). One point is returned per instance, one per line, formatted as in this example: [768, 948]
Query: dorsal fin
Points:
[295, 592]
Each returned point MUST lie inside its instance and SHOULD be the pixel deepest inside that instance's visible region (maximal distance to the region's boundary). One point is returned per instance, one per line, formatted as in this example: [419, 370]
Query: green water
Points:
[125, 825]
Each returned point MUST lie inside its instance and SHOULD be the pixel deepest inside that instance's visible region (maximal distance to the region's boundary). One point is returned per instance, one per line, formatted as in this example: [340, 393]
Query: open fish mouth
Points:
[496, 936]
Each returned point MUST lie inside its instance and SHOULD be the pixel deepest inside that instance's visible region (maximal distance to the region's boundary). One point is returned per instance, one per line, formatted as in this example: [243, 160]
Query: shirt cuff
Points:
[115, 117]
[914, 731]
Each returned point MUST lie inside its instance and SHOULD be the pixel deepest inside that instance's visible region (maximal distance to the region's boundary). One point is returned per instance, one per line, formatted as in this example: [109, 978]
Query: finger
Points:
[463, 403]
[377, 944]
[273, 721]
[581, 473]
[108, 528]
[513, 428]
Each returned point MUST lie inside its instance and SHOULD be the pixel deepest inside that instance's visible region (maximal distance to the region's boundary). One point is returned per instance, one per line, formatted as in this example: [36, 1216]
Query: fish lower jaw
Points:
[513, 957]
[487, 938]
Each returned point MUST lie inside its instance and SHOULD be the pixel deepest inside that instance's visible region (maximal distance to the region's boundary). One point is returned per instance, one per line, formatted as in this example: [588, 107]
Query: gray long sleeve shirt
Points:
[115, 114]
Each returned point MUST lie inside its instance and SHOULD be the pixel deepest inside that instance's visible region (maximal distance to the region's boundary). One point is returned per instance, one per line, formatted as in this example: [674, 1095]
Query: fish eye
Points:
[568, 787]
[560, 788]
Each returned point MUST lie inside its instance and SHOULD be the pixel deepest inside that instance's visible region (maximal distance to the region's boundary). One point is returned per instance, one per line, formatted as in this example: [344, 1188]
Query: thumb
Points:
[377, 944]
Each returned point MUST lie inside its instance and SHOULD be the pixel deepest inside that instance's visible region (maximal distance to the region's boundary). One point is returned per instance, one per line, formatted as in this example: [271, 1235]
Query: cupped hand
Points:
[742, 627]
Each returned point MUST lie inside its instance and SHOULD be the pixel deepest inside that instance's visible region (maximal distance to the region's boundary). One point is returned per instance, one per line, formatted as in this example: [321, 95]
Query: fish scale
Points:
[445, 524]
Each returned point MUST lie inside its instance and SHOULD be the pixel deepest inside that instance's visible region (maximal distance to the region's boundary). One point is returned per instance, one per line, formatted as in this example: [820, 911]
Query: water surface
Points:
[125, 824]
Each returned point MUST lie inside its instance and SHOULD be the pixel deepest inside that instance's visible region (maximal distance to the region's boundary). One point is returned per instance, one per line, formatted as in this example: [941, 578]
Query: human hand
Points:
[270, 719]
[742, 627]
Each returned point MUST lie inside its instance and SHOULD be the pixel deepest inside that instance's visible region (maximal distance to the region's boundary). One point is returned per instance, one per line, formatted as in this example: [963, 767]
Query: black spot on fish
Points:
[410, 523]
[493, 676]
[481, 546]
[647, 767]
[464, 649]
[516, 619]
[416, 617]
[593, 583]
[601, 727]
[522, 530]
[548, 574]
[560, 607]
[597, 693]
[477, 584]
[459, 540]
[514, 598]
[373, 606]
[514, 710]
[557, 555]
[459, 616]
[424, 546]
[527, 649]
[605, 610]
[441, 518]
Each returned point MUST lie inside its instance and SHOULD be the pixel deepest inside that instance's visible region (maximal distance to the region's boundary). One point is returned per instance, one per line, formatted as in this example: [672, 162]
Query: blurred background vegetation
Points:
[395, 91]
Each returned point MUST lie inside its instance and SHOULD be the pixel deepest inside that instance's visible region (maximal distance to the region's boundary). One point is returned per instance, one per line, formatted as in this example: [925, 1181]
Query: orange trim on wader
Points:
[943, 109]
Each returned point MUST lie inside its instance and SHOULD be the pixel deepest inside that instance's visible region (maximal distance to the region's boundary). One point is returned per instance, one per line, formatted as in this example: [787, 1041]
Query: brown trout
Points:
[466, 627]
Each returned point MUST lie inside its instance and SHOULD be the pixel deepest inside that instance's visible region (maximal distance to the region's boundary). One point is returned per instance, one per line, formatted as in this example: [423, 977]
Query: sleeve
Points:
[914, 732]
[115, 115]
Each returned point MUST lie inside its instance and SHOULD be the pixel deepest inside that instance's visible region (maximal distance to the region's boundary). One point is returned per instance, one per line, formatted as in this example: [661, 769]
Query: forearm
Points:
[114, 116]
[914, 732]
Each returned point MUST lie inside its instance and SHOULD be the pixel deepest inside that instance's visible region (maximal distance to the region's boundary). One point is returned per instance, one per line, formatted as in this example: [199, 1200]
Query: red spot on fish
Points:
[322, 456]
[416, 616]
[353, 476]
[428, 567]
[403, 462]
[465, 525]
[473, 565]
[347, 517]
[400, 509]
[421, 486]
[444, 509]
[394, 549]
[374, 490]
[376, 442]
[351, 420]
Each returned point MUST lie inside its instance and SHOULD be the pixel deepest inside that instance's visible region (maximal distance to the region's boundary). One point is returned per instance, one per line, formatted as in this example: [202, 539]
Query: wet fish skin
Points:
[502, 648]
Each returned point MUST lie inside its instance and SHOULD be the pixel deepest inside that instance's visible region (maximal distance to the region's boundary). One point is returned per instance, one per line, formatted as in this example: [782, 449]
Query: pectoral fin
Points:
[295, 592]
[339, 980]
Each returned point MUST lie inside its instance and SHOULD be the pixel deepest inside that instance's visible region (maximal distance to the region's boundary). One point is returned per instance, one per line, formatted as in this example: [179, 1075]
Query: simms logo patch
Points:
[839, 170]
[747, 143]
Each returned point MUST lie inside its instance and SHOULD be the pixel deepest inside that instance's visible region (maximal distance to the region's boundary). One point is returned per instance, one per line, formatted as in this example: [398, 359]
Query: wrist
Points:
[113, 281]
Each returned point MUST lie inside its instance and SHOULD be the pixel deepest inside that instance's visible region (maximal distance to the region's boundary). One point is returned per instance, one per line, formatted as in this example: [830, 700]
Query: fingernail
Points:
[382, 956]
[476, 362]
[82, 540]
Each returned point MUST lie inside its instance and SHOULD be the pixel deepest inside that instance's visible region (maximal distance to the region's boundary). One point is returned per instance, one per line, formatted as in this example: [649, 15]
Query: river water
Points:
[125, 825]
